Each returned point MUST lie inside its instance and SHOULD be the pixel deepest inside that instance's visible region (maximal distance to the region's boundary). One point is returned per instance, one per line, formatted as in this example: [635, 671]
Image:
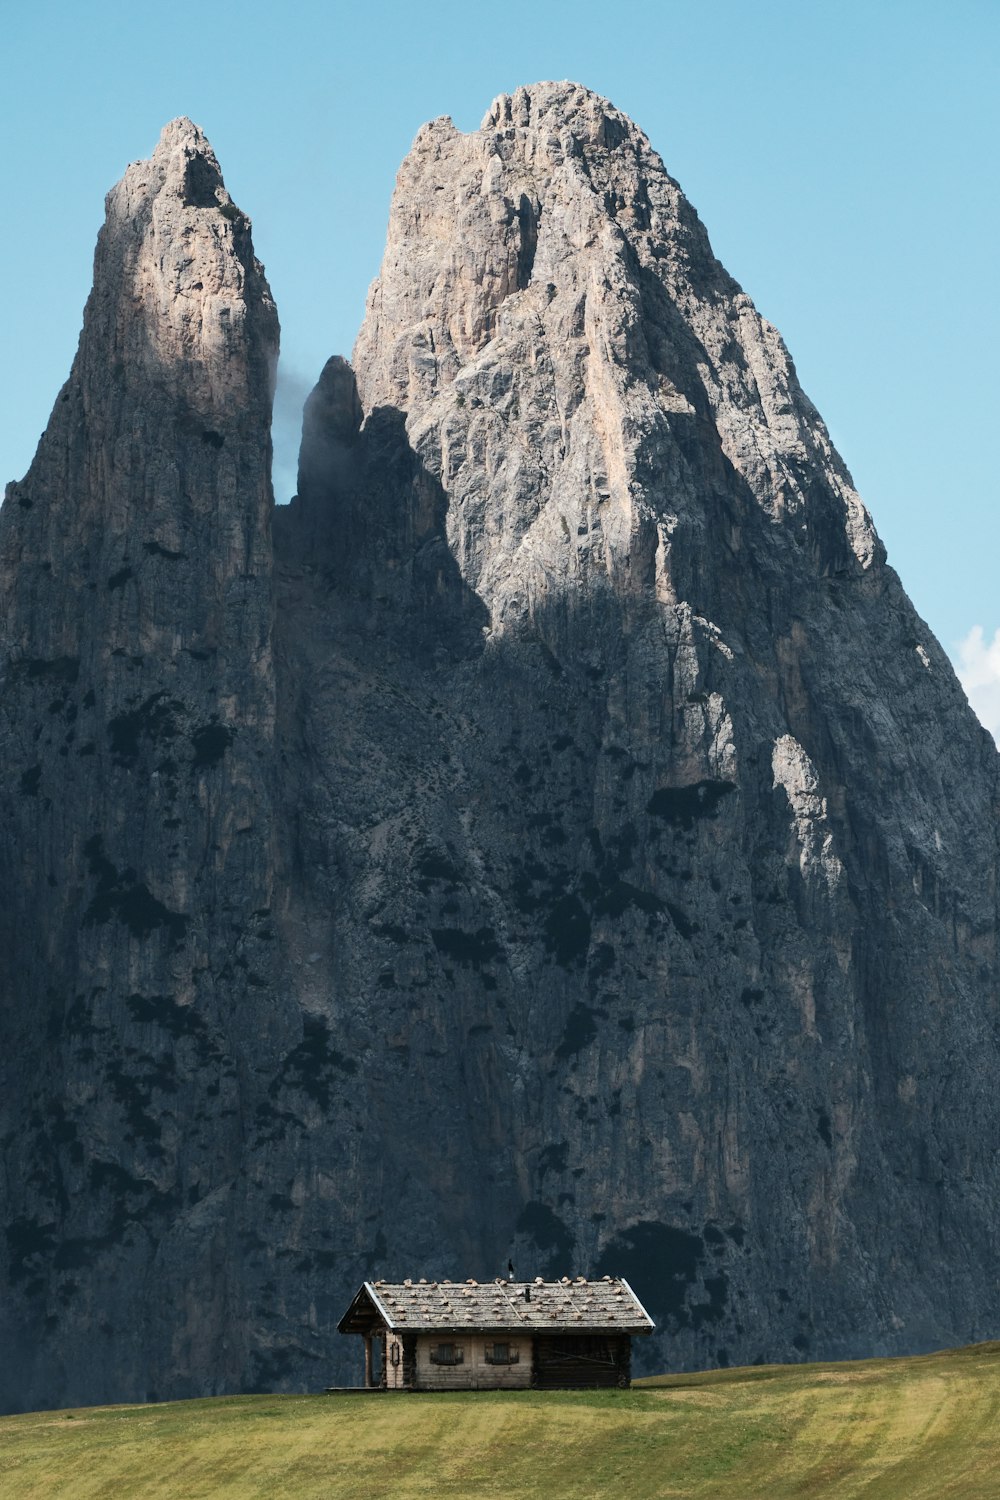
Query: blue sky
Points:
[842, 155]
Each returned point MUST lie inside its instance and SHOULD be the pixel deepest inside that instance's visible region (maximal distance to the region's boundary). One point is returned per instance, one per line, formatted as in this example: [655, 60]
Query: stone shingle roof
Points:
[449, 1306]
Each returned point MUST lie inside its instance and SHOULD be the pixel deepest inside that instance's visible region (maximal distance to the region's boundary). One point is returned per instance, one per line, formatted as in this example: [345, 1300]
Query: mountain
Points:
[554, 835]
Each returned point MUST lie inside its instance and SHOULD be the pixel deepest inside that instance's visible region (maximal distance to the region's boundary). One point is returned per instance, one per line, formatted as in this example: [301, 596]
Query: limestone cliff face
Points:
[137, 730]
[672, 888]
[603, 870]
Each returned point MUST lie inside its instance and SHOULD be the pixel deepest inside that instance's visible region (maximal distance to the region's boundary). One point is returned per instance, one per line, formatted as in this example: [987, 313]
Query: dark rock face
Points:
[572, 845]
[137, 874]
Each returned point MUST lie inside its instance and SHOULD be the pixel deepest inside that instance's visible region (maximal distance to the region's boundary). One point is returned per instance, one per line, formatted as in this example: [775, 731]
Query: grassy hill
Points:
[885, 1429]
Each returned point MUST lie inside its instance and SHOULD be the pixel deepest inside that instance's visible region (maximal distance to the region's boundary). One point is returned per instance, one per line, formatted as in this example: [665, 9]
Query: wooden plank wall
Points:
[565, 1362]
[474, 1373]
[393, 1374]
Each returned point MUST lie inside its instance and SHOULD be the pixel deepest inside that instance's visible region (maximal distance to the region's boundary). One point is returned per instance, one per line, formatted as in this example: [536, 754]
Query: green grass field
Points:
[905, 1429]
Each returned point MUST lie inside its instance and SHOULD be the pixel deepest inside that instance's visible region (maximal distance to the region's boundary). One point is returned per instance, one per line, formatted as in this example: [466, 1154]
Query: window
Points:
[447, 1354]
[394, 1353]
[502, 1354]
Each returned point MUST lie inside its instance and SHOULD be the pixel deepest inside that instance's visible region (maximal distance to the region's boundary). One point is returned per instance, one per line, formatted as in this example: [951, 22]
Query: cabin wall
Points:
[573, 1361]
[475, 1373]
[393, 1369]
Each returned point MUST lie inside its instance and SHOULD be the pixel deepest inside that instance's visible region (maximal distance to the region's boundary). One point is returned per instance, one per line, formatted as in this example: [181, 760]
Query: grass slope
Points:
[886, 1429]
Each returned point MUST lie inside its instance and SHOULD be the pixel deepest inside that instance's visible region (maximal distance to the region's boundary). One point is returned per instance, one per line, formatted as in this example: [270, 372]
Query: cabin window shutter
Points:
[502, 1354]
[447, 1354]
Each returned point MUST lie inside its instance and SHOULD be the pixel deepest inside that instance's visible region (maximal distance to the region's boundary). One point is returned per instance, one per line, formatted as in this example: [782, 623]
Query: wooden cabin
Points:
[494, 1335]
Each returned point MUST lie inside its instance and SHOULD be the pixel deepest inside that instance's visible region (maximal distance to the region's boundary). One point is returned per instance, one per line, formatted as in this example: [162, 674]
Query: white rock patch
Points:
[795, 772]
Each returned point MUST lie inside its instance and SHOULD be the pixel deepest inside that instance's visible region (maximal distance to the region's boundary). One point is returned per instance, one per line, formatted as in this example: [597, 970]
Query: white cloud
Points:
[286, 429]
[978, 668]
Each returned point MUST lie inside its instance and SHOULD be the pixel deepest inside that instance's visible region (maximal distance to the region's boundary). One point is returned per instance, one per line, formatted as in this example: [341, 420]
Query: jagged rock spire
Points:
[158, 441]
[138, 710]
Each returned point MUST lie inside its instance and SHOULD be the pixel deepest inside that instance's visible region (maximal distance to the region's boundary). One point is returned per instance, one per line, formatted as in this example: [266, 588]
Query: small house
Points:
[469, 1335]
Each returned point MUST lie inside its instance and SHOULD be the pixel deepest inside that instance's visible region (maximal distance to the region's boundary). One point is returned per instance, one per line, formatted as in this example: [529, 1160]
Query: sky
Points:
[842, 153]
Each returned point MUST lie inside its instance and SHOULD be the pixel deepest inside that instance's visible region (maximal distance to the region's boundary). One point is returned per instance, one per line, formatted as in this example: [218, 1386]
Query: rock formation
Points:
[136, 874]
[601, 869]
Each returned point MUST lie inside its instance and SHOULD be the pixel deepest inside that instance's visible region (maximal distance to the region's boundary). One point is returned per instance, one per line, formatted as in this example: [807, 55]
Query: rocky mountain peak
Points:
[548, 297]
[177, 246]
[183, 174]
[552, 837]
[182, 132]
[176, 361]
[590, 118]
